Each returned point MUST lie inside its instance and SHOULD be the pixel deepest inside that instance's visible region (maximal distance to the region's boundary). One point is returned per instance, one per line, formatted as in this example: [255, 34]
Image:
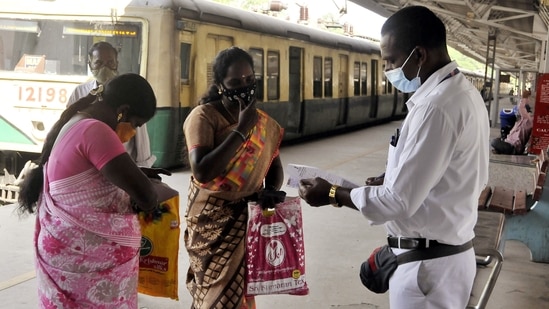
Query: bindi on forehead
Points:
[240, 81]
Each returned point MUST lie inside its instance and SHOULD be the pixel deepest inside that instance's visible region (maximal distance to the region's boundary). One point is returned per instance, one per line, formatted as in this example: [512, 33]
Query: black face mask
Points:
[247, 94]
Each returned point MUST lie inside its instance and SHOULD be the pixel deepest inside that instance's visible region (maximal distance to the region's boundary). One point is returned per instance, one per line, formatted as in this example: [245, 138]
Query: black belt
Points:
[424, 249]
[411, 243]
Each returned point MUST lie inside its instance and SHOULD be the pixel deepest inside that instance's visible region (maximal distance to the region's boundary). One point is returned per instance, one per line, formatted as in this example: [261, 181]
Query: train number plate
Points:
[38, 94]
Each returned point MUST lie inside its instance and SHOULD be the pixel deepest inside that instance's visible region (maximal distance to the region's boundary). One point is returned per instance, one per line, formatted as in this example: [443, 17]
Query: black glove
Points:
[154, 172]
[269, 198]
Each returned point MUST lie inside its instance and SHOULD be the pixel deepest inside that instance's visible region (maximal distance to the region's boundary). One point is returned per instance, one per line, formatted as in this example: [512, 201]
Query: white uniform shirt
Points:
[139, 147]
[82, 90]
[439, 166]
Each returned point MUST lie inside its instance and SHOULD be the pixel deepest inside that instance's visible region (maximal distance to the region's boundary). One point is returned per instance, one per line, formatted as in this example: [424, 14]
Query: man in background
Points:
[103, 63]
[515, 142]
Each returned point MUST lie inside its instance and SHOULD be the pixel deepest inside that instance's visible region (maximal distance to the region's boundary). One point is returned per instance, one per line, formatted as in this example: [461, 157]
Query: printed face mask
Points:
[104, 74]
[247, 94]
[125, 131]
[397, 78]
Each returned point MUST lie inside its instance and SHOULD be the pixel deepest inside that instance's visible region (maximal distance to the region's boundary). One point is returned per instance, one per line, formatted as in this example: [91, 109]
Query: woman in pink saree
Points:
[85, 191]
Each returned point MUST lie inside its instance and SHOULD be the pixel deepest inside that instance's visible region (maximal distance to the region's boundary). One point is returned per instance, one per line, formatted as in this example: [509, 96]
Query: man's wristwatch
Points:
[332, 196]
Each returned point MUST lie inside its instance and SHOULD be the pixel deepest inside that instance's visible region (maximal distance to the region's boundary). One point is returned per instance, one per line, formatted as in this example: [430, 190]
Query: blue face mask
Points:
[397, 78]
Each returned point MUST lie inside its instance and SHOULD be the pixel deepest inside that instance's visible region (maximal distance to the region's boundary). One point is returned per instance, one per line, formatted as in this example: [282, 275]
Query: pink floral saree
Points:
[87, 243]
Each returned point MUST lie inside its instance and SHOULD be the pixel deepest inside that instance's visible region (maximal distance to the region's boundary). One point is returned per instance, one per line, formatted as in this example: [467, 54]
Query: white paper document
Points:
[297, 172]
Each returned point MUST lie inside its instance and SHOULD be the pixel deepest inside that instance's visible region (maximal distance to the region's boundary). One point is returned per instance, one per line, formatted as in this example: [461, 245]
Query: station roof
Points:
[520, 27]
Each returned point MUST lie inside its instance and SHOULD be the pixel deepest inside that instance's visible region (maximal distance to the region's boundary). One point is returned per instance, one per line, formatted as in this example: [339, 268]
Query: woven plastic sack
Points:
[158, 274]
[275, 252]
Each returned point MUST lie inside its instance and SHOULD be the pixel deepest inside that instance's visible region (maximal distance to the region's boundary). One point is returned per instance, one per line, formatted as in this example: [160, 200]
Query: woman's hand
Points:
[247, 118]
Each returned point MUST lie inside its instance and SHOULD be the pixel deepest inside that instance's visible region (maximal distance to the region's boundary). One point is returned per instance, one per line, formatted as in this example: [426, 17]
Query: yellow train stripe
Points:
[17, 279]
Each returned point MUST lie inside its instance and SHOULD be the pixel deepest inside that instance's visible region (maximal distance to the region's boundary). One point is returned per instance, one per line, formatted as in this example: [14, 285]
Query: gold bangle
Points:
[332, 196]
[241, 135]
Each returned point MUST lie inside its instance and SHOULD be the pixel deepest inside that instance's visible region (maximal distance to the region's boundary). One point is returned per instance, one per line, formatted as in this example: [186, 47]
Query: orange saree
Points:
[217, 211]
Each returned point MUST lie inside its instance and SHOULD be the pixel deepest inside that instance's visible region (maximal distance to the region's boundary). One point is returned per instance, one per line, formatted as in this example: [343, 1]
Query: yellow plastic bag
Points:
[158, 259]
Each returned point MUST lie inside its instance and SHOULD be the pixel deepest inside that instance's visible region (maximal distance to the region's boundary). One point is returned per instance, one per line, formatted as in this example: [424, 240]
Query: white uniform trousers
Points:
[443, 283]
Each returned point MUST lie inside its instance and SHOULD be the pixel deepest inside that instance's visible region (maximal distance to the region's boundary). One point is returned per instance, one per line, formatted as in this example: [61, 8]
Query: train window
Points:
[364, 79]
[328, 77]
[257, 56]
[317, 77]
[61, 46]
[185, 57]
[356, 79]
[273, 69]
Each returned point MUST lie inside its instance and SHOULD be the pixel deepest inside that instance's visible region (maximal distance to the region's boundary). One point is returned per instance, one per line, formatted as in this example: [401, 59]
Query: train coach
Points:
[311, 81]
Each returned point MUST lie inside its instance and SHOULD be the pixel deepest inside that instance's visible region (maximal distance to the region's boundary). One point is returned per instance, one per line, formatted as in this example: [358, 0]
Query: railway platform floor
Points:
[337, 241]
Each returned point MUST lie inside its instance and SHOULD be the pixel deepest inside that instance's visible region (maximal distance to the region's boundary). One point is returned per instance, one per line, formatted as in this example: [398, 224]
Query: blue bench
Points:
[527, 211]
[532, 228]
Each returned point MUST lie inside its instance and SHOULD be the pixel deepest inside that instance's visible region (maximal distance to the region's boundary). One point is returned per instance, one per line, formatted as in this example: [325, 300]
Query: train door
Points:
[343, 89]
[186, 77]
[295, 90]
[373, 88]
[187, 89]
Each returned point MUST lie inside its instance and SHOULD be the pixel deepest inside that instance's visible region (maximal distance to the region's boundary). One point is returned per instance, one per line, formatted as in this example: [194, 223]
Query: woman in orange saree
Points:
[233, 153]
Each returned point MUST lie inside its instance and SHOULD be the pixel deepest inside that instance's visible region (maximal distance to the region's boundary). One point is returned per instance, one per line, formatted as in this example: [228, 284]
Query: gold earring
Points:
[119, 117]
[219, 91]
